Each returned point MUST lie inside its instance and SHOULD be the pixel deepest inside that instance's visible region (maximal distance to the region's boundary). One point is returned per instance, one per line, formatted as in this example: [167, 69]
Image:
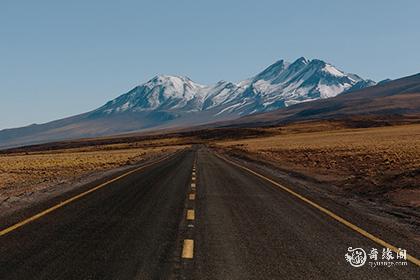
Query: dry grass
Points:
[383, 160]
[29, 172]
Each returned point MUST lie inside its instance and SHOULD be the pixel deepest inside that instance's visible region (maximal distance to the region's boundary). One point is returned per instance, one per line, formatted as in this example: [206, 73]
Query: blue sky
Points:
[59, 58]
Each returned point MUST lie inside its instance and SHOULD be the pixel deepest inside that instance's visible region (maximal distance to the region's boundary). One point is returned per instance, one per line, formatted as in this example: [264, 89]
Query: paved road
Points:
[237, 226]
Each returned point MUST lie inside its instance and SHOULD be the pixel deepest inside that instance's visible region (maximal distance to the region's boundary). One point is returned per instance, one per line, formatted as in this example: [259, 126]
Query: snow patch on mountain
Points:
[332, 70]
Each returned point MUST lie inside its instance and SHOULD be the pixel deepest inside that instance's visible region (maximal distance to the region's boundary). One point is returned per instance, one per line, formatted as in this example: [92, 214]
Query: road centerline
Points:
[188, 249]
[190, 214]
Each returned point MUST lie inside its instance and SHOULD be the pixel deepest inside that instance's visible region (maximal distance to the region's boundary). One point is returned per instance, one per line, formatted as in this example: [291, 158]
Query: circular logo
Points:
[356, 257]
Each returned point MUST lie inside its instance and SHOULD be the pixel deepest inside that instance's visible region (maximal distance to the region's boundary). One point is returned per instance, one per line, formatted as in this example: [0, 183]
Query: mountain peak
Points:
[172, 83]
[273, 70]
[159, 79]
[317, 62]
[301, 60]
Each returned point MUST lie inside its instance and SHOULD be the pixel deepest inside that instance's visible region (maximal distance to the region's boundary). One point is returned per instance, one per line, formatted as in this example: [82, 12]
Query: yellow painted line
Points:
[327, 212]
[65, 202]
[191, 196]
[188, 249]
[190, 215]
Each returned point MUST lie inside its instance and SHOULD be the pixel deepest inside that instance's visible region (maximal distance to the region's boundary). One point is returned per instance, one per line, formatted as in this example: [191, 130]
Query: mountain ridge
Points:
[282, 83]
[167, 101]
[393, 99]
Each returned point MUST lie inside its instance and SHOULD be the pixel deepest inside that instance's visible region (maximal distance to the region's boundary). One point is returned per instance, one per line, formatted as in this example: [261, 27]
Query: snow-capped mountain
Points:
[280, 85]
[303, 80]
[174, 101]
[160, 93]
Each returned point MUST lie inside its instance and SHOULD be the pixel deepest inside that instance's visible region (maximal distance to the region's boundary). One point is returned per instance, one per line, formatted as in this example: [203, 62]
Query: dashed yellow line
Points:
[188, 249]
[190, 214]
[327, 212]
[65, 202]
[188, 246]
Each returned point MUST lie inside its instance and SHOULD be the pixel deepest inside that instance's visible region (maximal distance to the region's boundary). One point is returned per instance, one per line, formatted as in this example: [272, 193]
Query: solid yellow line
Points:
[191, 196]
[328, 212]
[188, 249]
[190, 215]
[65, 202]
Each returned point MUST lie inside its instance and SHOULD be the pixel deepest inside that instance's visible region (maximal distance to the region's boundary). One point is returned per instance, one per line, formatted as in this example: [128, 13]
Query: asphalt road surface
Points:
[191, 216]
